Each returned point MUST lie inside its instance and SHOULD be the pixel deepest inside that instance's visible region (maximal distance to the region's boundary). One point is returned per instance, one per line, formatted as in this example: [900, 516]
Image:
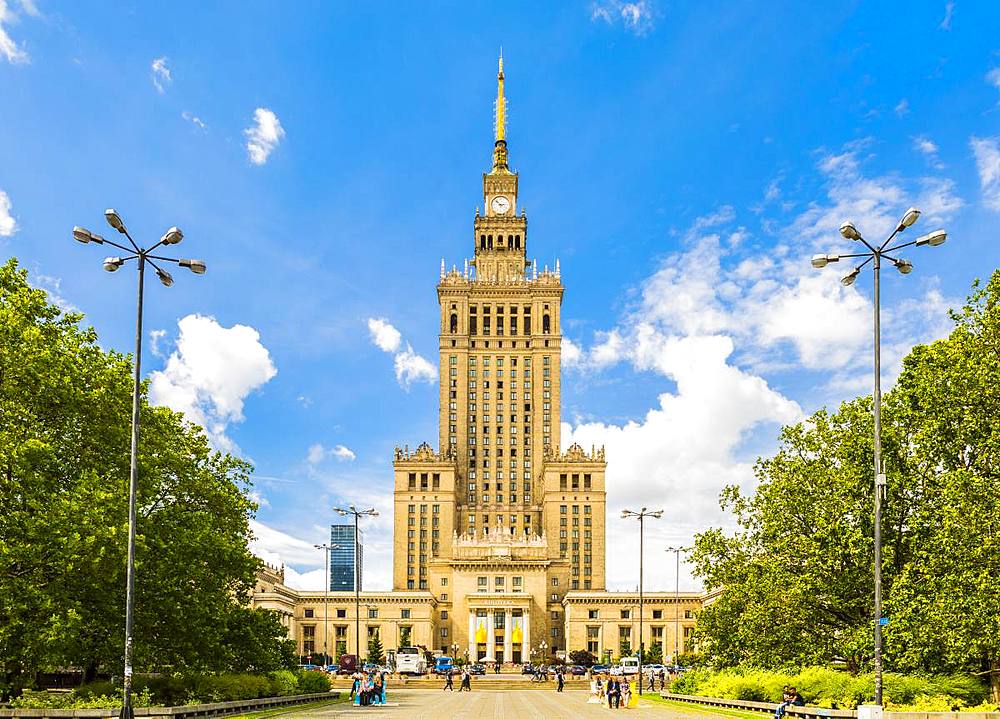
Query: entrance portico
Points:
[499, 627]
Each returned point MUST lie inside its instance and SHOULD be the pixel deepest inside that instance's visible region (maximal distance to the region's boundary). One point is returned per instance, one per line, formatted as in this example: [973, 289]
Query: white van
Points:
[629, 665]
[410, 660]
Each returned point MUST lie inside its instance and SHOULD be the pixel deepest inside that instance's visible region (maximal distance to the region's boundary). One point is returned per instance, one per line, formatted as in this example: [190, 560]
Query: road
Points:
[510, 704]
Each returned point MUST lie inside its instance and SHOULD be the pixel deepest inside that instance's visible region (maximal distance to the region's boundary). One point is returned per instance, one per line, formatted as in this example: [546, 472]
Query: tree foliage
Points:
[797, 575]
[65, 410]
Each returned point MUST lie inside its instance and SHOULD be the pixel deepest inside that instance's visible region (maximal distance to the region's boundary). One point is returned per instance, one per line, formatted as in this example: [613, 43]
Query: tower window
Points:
[482, 242]
[454, 323]
[545, 324]
[517, 241]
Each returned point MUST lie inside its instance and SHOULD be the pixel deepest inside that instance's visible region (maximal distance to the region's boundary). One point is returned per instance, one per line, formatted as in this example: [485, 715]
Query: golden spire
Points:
[500, 145]
[501, 109]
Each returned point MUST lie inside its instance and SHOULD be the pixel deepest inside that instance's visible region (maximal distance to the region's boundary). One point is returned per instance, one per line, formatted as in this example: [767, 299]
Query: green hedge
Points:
[823, 687]
[181, 690]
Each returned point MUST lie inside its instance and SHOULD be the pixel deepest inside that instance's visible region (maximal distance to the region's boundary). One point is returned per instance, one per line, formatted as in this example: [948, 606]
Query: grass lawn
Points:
[339, 699]
[699, 709]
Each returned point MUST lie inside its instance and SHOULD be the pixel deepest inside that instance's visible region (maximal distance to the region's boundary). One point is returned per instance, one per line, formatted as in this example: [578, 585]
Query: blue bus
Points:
[443, 665]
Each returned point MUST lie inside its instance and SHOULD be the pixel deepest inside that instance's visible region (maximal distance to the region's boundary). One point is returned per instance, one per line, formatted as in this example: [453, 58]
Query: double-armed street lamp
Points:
[326, 598]
[677, 598]
[357, 514]
[111, 264]
[875, 254]
[641, 516]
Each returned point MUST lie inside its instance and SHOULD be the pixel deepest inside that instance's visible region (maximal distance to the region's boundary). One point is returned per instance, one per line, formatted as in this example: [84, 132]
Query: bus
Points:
[410, 660]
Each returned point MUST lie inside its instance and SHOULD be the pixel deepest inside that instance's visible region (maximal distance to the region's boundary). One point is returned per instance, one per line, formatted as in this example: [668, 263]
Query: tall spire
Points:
[500, 129]
[501, 108]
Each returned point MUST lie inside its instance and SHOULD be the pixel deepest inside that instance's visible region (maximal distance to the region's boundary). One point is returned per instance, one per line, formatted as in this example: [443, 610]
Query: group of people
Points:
[617, 691]
[368, 688]
[790, 697]
[449, 681]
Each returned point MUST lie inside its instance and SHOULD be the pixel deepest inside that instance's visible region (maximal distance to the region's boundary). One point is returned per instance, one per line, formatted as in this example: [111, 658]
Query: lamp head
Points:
[165, 278]
[196, 266]
[909, 218]
[114, 219]
[849, 231]
[933, 239]
[905, 267]
[111, 264]
[849, 278]
[81, 235]
[172, 236]
[819, 261]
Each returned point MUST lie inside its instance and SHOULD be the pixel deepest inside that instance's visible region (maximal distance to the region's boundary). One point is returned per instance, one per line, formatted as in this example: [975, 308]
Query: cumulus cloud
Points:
[210, 374]
[9, 49]
[263, 136]
[155, 337]
[636, 17]
[902, 108]
[949, 11]
[318, 453]
[408, 365]
[570, 353]
[384, 335]
[987, 152]
[8, 225]
[159, 73]
[928, 149]
[993, 77]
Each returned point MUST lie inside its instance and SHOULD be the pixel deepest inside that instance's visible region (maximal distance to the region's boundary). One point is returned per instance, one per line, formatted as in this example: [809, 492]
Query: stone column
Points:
[526, 637]
[490, 635]
[472, 635]
[508, 642]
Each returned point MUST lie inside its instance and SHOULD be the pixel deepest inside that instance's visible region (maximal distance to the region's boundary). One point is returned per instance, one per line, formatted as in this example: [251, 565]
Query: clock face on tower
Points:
[500, 205]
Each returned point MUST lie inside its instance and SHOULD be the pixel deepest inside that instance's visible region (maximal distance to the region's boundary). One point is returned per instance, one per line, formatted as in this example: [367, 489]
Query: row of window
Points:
[627, 614]
[486, 242]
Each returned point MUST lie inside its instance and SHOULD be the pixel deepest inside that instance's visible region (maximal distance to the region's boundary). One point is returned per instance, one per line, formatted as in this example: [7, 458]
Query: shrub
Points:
[313, 682]
[283, 683]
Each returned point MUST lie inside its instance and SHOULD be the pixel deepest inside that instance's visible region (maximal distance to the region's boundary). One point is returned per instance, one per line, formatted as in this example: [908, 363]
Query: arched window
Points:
[510, 242]
[517, 241]
[545, 324]
[454, 323]
[489, 242]
[482, 242]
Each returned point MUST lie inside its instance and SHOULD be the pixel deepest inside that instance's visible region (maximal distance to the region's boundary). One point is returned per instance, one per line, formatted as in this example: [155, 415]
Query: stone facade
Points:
[499, 536]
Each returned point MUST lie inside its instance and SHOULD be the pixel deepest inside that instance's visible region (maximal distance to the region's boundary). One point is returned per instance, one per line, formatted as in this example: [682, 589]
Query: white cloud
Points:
[411, 367]
[318, 453]
[384, 335]
[408, 365]
[949, 10]
[570, 354]
[987, 152]
[902, 108]
[263, 136]
[8, 225]
[159, 73]
[194, 120]
[53, 287]
[636, 17]
[210, 374]
[993, 77]
[925, 146]
[9, 49]
[155, 337]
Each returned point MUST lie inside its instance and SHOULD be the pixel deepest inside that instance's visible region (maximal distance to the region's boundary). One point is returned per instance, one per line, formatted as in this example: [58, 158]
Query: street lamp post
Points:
[111, 264]
[641, 516]
[326, 599]
[677, 598]
[371, 512]
[905, 267]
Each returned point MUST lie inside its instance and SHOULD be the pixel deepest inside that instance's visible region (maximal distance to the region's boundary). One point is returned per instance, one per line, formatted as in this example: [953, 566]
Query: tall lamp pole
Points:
[641, 516]
[875, 254]
[357, 513]
[326, 599]
[677, 598]
[111, 264]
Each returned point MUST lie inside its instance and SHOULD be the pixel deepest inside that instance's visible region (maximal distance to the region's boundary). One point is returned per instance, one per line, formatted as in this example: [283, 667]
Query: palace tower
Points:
[498, 524]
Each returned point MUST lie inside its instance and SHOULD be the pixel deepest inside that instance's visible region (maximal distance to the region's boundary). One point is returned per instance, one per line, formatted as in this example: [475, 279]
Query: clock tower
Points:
[500, 234]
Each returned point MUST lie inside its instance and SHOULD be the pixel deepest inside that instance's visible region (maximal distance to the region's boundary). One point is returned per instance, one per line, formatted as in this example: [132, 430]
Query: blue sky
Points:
[682, 160]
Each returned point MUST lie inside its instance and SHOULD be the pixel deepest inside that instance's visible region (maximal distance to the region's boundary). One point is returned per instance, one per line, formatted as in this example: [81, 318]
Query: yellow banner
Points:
[481, 631]
[517, 633]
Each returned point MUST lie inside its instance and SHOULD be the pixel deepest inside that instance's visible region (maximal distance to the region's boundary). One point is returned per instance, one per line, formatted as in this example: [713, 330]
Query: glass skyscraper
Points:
[342, 559]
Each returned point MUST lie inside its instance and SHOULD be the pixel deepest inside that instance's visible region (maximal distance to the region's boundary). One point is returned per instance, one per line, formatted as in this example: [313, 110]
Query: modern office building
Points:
[342, 572]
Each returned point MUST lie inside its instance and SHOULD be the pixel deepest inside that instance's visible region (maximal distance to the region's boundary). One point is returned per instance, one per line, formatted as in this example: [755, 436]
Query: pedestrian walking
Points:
[613, 695]
[449, 683]
[559, 681]
[466, 681]
[626, 693]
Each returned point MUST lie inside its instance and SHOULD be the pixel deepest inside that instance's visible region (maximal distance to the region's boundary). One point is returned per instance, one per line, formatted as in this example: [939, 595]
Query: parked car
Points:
[656, 668]
[577, 670]
[600, 668]
[477, 669]
[527, 669]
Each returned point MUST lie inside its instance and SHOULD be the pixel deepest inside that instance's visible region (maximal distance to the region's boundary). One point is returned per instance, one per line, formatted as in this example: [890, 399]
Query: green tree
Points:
[654, 655]
[65, 407]
[797, 575]
[583, 658]
[375, 653]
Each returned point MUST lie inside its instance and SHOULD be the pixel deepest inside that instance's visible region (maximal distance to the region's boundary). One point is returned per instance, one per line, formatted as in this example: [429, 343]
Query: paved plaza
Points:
[511, 704]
